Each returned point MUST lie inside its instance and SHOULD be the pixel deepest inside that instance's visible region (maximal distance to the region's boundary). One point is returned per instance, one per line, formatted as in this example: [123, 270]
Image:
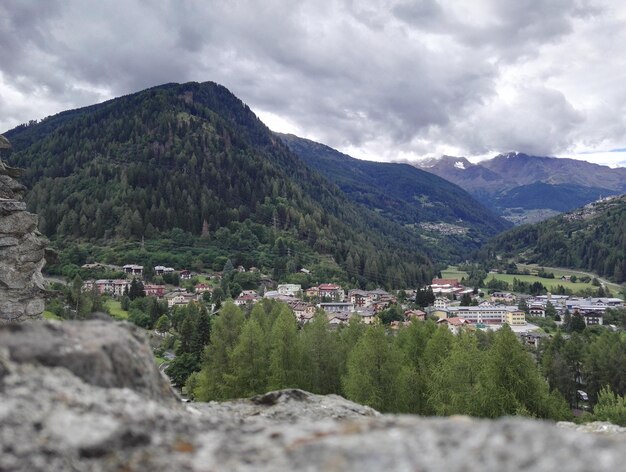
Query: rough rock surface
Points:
[53, 418]
[22, 250]
[100, 353]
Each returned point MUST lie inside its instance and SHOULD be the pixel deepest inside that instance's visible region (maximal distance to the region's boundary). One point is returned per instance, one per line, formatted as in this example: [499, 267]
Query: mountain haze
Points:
[444, 213]
[192, 164]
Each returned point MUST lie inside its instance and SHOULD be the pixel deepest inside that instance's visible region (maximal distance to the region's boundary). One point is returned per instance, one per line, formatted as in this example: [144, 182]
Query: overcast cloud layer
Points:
[383, 80]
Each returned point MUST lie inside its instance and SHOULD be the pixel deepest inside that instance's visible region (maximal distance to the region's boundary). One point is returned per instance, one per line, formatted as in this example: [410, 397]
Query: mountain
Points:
[591, 238]
[186, 174]
[523, 188]
[443, 212]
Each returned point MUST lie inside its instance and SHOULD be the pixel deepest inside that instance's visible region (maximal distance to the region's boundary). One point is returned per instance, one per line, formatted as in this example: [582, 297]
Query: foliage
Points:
[610, 407]
[189, 171]
[423, 369]
[592, 239]
[407, 195]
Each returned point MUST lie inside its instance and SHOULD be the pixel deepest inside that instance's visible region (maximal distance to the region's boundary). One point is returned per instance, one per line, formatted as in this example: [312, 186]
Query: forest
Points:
[422, 369]
[591, 239]
[194, 159]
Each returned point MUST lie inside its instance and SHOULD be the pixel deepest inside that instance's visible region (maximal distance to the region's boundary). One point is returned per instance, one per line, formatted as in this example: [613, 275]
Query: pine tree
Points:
[225, 333]
[249, 362]
[285, 353]
[373, 372]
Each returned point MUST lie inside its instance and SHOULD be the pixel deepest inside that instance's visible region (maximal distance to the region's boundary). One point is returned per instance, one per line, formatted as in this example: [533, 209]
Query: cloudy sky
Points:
[381, 80]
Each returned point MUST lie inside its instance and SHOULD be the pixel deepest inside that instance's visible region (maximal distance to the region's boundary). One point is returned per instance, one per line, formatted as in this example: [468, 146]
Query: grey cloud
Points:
[394, 74]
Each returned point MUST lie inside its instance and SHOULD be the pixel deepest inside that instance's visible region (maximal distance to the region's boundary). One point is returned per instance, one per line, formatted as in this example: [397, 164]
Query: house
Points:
[133, 269]
[359, 298]
[292, 290]
[366, 315]
[154, 290]
[202, 288]
[185, 274]
[451, 282]
[331, 292]
[454, 324]
[240, 269]
[414, 315]
[248, 298]
[537, 310]
[312, 292]
[336, 319]
[179, 298]
[593, 318]
[120, 287]
[505, 297]
[441, 302]
[160, 270]
[303, 311]
[337, 307]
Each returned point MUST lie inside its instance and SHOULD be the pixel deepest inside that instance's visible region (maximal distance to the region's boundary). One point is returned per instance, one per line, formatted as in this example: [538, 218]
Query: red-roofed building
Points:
[154, 290]
[451, 282]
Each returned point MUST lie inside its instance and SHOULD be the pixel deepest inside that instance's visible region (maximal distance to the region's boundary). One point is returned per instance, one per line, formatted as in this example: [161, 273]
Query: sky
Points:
[384, 80]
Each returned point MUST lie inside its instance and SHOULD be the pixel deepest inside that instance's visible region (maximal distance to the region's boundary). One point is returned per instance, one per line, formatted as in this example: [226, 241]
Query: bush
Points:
[610, 407]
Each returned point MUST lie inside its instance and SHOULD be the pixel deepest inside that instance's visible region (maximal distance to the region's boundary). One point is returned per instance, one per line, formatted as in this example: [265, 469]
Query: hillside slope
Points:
[192, 163]
[592, 238]
[446, 214]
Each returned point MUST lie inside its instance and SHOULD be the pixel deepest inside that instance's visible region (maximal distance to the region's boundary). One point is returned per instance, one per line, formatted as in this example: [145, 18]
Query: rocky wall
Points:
[22, 250]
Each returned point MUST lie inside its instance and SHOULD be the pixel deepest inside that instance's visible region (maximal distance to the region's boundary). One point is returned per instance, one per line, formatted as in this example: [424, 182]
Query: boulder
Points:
[69, 401]
[100, 353]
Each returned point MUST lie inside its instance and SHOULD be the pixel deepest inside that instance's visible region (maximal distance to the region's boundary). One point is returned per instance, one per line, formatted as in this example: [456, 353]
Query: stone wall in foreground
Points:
[87, 396]
[21, 250]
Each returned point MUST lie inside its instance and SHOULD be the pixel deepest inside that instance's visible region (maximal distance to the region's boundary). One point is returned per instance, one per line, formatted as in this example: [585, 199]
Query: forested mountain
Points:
[446, 215]
[592, 238]
[517, 186]
[193, 165]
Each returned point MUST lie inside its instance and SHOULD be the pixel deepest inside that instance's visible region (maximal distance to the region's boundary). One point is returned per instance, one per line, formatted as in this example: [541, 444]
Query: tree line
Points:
[421, 369]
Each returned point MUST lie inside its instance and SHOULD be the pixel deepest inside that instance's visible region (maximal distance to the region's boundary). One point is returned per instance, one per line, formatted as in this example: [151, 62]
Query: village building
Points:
[498, 314]
[454, 324]
[203, 288]
[366, 315]
[359, 298]
[415, 315]
[133, 269]
[337, 307]
[154, 290]
[247, 299]
[593, 318]
[503, 297]
[303, 311]
[161, 270]
[292, 290]
[331, 292]
[179, 298]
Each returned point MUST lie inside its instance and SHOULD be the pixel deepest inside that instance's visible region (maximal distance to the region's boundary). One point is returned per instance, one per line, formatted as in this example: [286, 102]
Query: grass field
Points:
[550, 284]
[115, 309]
[453, 273]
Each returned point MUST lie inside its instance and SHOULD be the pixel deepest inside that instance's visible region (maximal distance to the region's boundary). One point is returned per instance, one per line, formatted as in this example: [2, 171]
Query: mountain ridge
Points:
[498, 182]
[409, 196]
[195, 158]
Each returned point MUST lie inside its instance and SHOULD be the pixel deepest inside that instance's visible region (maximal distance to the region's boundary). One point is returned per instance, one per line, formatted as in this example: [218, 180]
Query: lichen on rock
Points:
[22, 250]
